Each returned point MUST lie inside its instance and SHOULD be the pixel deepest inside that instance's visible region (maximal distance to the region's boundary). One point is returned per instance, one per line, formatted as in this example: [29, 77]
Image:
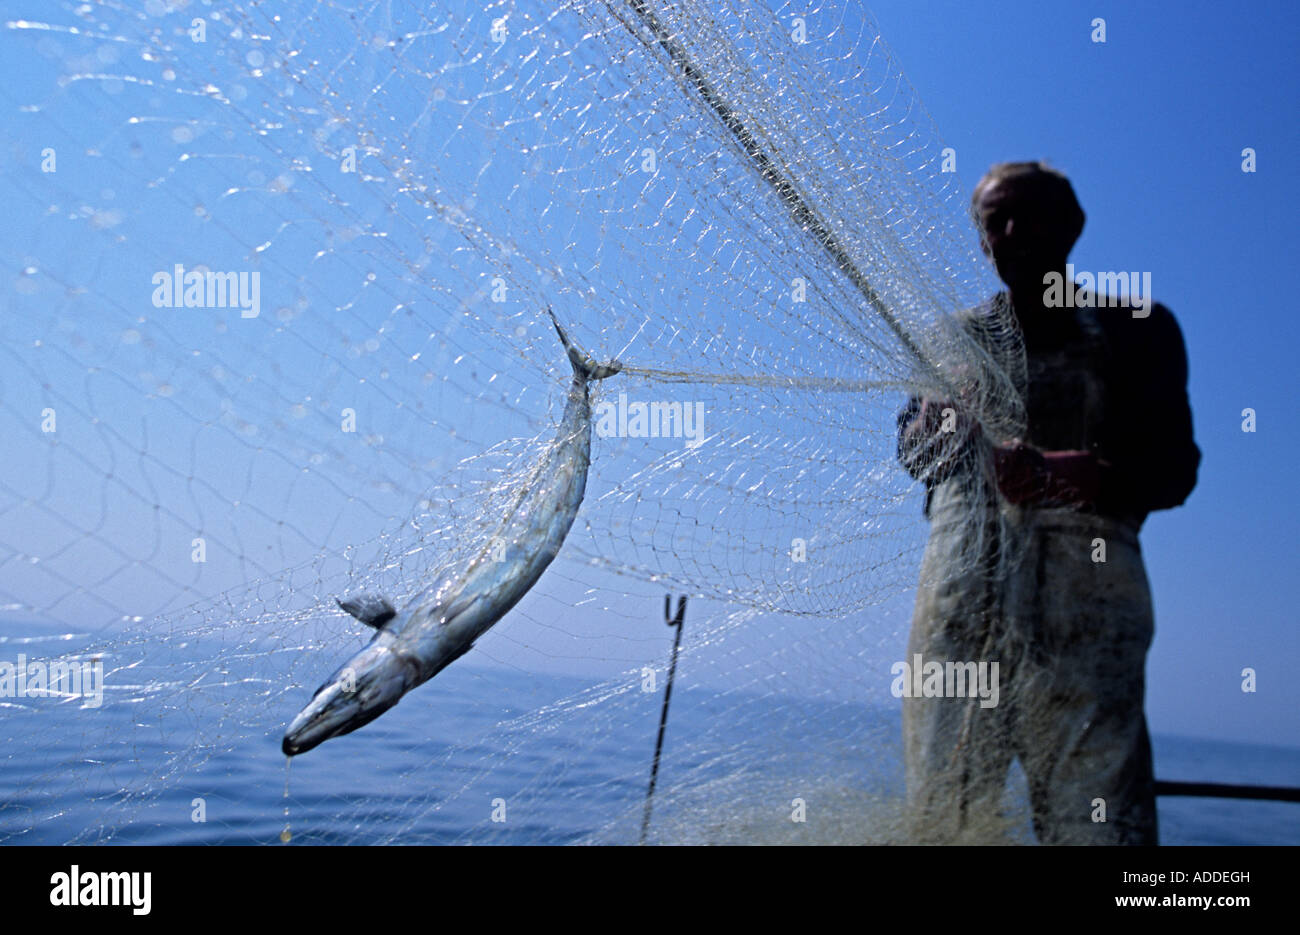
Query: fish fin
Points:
[584, 367]
[370, 609]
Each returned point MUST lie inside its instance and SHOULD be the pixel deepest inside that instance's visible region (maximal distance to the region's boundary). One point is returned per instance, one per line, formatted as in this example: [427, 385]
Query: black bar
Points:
[1223, 790]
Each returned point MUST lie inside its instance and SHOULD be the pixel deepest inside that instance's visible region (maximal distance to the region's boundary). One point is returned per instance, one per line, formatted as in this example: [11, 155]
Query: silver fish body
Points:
[442, 624]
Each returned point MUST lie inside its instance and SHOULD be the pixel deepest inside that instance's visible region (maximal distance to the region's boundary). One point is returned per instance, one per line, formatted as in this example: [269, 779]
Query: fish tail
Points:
[584, 367]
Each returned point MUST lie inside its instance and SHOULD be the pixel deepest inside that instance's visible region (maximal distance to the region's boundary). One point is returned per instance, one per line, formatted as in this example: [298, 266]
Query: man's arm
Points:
[908, 447]
[933, 439]
[1148, 458]
[1149, 440]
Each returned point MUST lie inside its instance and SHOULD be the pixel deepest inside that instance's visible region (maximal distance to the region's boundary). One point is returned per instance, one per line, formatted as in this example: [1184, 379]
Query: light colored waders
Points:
[1070, 635]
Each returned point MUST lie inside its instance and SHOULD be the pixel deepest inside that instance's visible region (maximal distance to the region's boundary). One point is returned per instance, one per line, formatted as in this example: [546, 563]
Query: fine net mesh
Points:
[744, 203]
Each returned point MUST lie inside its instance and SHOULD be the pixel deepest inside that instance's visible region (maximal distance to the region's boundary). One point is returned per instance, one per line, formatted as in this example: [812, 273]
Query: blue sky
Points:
[1150, 127]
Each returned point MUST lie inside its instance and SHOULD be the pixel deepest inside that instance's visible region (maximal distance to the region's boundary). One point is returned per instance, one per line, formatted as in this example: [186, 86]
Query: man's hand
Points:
[940, 418]
[1074, 476]
[1058, 478]
[936, 437]
[1021, 471]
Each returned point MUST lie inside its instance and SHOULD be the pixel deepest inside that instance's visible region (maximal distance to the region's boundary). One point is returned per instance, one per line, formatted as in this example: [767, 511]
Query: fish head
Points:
[365, 687]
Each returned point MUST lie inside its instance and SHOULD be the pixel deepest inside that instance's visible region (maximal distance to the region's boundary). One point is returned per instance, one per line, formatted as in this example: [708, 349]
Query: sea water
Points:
[460, 760]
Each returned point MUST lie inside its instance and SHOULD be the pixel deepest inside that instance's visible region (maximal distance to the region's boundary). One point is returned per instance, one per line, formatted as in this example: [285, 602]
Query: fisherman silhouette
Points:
[1108, 439]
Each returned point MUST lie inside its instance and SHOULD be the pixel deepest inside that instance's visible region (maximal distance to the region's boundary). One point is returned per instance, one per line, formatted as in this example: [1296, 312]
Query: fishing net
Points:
[746, 204]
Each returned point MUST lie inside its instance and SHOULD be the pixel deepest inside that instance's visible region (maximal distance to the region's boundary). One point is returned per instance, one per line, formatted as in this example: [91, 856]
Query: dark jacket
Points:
[1146, 435]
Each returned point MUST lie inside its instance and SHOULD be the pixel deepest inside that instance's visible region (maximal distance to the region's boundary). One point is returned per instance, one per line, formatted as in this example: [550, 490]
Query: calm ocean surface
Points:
[432, 770]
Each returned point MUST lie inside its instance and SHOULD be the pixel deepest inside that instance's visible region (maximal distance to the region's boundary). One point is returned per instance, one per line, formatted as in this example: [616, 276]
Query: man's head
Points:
[1029, 219]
